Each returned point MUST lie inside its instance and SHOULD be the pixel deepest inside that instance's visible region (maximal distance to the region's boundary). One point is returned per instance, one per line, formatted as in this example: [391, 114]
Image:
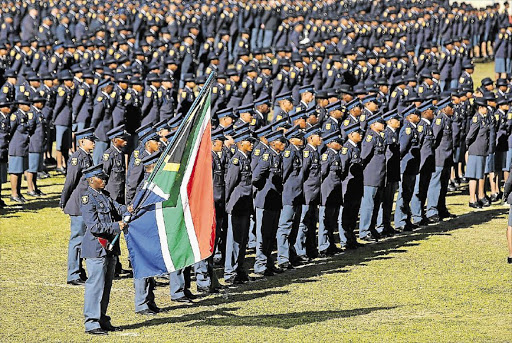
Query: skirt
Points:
[475, 167]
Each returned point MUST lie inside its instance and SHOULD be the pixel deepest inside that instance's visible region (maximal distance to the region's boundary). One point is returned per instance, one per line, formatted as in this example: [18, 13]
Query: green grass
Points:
[443, 283]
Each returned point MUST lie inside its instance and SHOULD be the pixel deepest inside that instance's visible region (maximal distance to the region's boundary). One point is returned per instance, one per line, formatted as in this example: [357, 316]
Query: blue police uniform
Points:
[373, 155]
[102, 122]
[21, 127]
[100, 214]
[267, 178]
[292, 204]
[477, 145]
[239, 209]
[115, 167]
[74, 187]
[62, 118]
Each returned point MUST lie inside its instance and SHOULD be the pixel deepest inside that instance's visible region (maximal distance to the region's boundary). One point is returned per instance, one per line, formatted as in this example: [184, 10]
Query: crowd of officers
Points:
[322, 113]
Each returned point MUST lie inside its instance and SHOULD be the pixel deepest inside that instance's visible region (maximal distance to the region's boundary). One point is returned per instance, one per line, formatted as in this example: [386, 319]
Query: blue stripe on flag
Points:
[143, 244]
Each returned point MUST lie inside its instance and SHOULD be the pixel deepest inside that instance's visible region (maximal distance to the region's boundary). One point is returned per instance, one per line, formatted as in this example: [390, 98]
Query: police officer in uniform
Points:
[74, 187]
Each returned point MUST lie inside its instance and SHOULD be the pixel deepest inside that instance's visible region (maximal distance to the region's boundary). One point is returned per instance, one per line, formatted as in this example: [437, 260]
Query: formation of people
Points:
[322, 111]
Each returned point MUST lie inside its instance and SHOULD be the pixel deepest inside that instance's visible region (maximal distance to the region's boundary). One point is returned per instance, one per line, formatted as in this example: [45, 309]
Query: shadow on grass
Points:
[225, 317]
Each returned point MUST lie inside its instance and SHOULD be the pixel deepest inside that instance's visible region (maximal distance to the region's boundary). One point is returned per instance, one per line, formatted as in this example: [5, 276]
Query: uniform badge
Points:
[99, 99]
[328, 126]
[257, 152]
[148, 94]
[136, 153]
[128, 96]
[393, 95]
[344, 151]
[362, 117]
[253, 121]
[74, 161]
[215, 90]
[408, 130]
[461, 80]
[85, 199]
[279, 77]
[369, 138]
[81, 91]
[105, 157]
[305, 153]
[228, 87]
[235, 161]
[324, 157]
[346, 122]
[137, 161]
[438, 121]
[13, 117]
[279, 117]
[5, 90]
[420, 128]
[265, 157]
[30, 115]
[475, 119]
[61, 91]
[287, 153]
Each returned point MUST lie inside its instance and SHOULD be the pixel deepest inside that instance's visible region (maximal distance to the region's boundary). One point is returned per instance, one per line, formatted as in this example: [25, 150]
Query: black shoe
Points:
[230, 281]
[77, 282]
[243, 277]
[277, 270]
[61, 171]
[34, 194]
[40, 193]
[98, 331]
[154, 308]
[447, 214]
[189, 294]
[495, 197]
[323, 254]
[451, 188]
[369, 238]
[475, 204]
[509, 260]
[2, 204]
[456, 183]
[485, 202]
[42, 175]
[207, 290]
[464, 180]
[351, 246]
[334, 251]
[407, 228]
[147, 312]
[112, 328]
[433, 219]
[16, 199]
[284, 266]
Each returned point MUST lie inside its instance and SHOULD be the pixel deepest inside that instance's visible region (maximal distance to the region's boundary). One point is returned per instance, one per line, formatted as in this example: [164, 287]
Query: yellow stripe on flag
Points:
[174, 167]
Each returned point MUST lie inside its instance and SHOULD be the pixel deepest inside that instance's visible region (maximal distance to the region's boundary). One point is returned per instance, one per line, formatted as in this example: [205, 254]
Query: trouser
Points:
[436, 203]
[266, 229]
[252, 232]
[372, 197]
[350, 210]
[75, 270]
[267, 38]
[403, 210]
[236, 243]
[288, 226]
[144, 296]
[99, 148]
[205, 274]
[97, 291]
[384, 218]
[305, 244]
[419, 195]
[327, 223]
[179, 281]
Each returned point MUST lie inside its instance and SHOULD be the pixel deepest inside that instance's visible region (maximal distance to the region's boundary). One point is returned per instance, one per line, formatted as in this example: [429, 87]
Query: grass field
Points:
[444, 283]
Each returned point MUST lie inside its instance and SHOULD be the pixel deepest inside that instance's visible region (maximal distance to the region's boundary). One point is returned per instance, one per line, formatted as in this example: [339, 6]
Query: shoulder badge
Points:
[183, 94]
[328, 126]
[215, 90]
[128, 96]
[305, 153]
[279, 117]
[257, 152]
[30, 115]
[324, 157]
[369, 138]
[279, 77]
[61, 91]
[148, 94]
[22, 89]
[344, 151]
[81, 91]
[13, 117]
[235, 161]
[420, 128]
[105, 157]
[253, 122]
[393, 95]
[265, 157]
[287, 153]
[136, 153]
[74, 161]
[85, 199]
[137, 161]
[5, 89]
[346, 122]
[408, 130]
[475, 119]
[362, 117]
[99, 99]
[438, 121]
[420, 89]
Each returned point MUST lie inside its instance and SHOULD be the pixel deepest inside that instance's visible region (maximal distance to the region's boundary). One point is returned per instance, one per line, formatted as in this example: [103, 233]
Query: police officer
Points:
[374, 174]
[409, 168]
[21, 127]
[114, 164]
[37, 145]
[101, 216]
[330, 196]
[268, 180]
[74, 187]
[62, 118]
[293, 199]
[5, 109]
[239, 208]
[102, 120]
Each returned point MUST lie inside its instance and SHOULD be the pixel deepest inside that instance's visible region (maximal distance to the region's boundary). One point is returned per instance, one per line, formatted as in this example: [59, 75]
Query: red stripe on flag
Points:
[200, 196]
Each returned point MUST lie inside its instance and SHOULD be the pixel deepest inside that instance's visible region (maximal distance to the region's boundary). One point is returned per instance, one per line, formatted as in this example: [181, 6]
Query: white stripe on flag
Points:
[163, 238]
[194, 243]
[158, 191]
